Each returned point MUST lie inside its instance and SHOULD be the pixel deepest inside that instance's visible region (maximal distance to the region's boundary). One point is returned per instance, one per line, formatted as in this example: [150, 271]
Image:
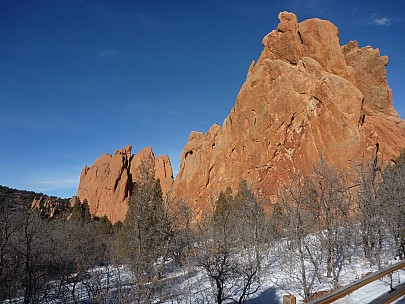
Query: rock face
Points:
[306, 97]
[107, 184]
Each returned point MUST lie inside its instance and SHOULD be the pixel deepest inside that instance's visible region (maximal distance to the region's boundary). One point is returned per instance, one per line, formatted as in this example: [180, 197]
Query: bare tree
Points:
[298, 222]
[179, 217]
[392, 194]
[330, 204]
[370, 211]
[251, 223]
[28, 261]
[8, 228]
[229, 248]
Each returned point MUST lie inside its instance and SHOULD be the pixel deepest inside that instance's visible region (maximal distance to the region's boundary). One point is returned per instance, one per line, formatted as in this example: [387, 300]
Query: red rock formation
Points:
[50, 207]
[107, 184]
[305, 97]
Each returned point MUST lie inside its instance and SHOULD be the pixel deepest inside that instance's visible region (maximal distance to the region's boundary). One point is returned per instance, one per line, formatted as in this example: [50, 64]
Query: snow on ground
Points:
[373, 290]
[193, 286]
[270, 293]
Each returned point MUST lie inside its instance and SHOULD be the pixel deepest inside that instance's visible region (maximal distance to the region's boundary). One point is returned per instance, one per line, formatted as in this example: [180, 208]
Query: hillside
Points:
[49, 206]
[21, 198]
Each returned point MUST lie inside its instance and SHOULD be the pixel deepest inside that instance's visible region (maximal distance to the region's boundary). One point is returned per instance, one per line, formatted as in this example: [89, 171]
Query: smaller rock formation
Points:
[50, 207]
[107, 184]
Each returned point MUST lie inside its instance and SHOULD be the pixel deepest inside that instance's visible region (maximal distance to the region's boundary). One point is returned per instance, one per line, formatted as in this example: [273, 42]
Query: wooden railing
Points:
[344, 291]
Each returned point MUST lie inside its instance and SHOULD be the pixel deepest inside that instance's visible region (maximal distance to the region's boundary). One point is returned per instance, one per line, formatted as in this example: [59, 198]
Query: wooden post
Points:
[289, 299]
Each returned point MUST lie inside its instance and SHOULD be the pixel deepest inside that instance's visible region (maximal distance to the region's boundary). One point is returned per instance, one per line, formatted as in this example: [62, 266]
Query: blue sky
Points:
[81, 78]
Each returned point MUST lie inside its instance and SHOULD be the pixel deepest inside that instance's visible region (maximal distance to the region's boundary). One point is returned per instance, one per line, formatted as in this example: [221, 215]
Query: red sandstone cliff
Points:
[107, 184]
[305, 97]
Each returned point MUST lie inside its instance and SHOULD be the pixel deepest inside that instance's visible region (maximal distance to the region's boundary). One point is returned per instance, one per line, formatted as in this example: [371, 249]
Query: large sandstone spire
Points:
[107, 184]
[305, 97]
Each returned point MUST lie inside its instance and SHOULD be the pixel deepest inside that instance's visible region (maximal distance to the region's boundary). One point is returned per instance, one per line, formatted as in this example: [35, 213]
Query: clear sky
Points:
[79, 78]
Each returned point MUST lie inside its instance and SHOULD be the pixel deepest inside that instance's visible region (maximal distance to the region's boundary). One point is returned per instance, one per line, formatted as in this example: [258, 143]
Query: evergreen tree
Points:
[223, 217]
[230, 252]
[143, 238]
[81, 211]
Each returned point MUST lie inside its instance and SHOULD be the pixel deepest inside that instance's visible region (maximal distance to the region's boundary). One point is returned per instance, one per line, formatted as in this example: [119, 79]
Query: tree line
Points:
[317, 224]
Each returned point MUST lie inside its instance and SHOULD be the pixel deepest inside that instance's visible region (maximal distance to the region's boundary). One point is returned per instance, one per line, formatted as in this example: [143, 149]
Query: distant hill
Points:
[49, 206]
[18, 197]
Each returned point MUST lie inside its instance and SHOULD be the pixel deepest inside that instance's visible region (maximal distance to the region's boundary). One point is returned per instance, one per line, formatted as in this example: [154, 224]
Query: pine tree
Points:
[143, 238]
[229, 245]
[223, 217]
[81, 211]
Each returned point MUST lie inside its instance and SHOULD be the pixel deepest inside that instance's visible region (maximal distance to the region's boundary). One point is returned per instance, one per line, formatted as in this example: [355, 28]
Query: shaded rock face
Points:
[306, 97]
[50, 207]
[107, 184]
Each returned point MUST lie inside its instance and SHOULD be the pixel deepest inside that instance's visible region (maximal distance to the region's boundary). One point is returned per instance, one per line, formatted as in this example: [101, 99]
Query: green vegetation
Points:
[144, 236]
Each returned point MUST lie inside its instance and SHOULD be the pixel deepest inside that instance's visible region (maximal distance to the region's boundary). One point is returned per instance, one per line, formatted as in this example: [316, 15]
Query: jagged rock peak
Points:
[127, 151]
[107, 184]
[305, 97]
